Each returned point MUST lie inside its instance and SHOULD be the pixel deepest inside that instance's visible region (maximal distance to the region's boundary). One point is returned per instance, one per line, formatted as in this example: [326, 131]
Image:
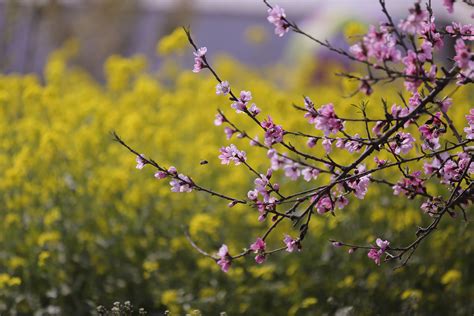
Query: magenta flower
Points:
[276, 16]
[231, 153]
[273, 133]
[258, 247]
[198, 59]
[291, 244]
[225, 260]
[141, 162]
[223, 88]
[375, 255]
[327, 120]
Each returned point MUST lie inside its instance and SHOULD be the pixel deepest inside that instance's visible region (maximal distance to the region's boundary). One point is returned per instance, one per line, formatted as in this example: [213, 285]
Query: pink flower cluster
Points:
[410, 186]
[273, 133]
[448, 168]
[430, 132]
[232, 154]
[379, 44]
[324, 118]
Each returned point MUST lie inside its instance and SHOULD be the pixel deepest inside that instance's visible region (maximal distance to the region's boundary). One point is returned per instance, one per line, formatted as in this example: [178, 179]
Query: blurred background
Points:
[31, 29]
[80, 226]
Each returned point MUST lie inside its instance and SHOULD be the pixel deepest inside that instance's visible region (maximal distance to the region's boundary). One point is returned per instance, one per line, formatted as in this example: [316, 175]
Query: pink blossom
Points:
[223, 88]
[258, 247]
[446, 104]
[292, 170]
[375, 255]
[324, 205]
[219, 119]
[273, 133]
[463, 54]
[291, 244]
[377, 129]
[359, 51]
[360, 185]
[431, 206]
[410, 186]
[413, 69]
[276, 16]
[161, 175]
[382, 244]
[341, 202]
[311, 142]
[254, 110]
[327, 145]
[426, 52]
[141, 162]
[430, 33]
[413, 24]
[449, 5]
[231, 153]
[241, 104]
[380, 44]
[310, 173]
[199, 60]
[353, 145]
[466, 31]
[327, 120]
[470, 129]
[402, 143]
[229, 132]
[365, 87]
[172, 170]
[379, 162]
[225, 260]
[181, 183]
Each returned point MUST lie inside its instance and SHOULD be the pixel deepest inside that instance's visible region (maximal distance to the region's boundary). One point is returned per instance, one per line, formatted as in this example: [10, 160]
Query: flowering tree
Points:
[416, 139]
